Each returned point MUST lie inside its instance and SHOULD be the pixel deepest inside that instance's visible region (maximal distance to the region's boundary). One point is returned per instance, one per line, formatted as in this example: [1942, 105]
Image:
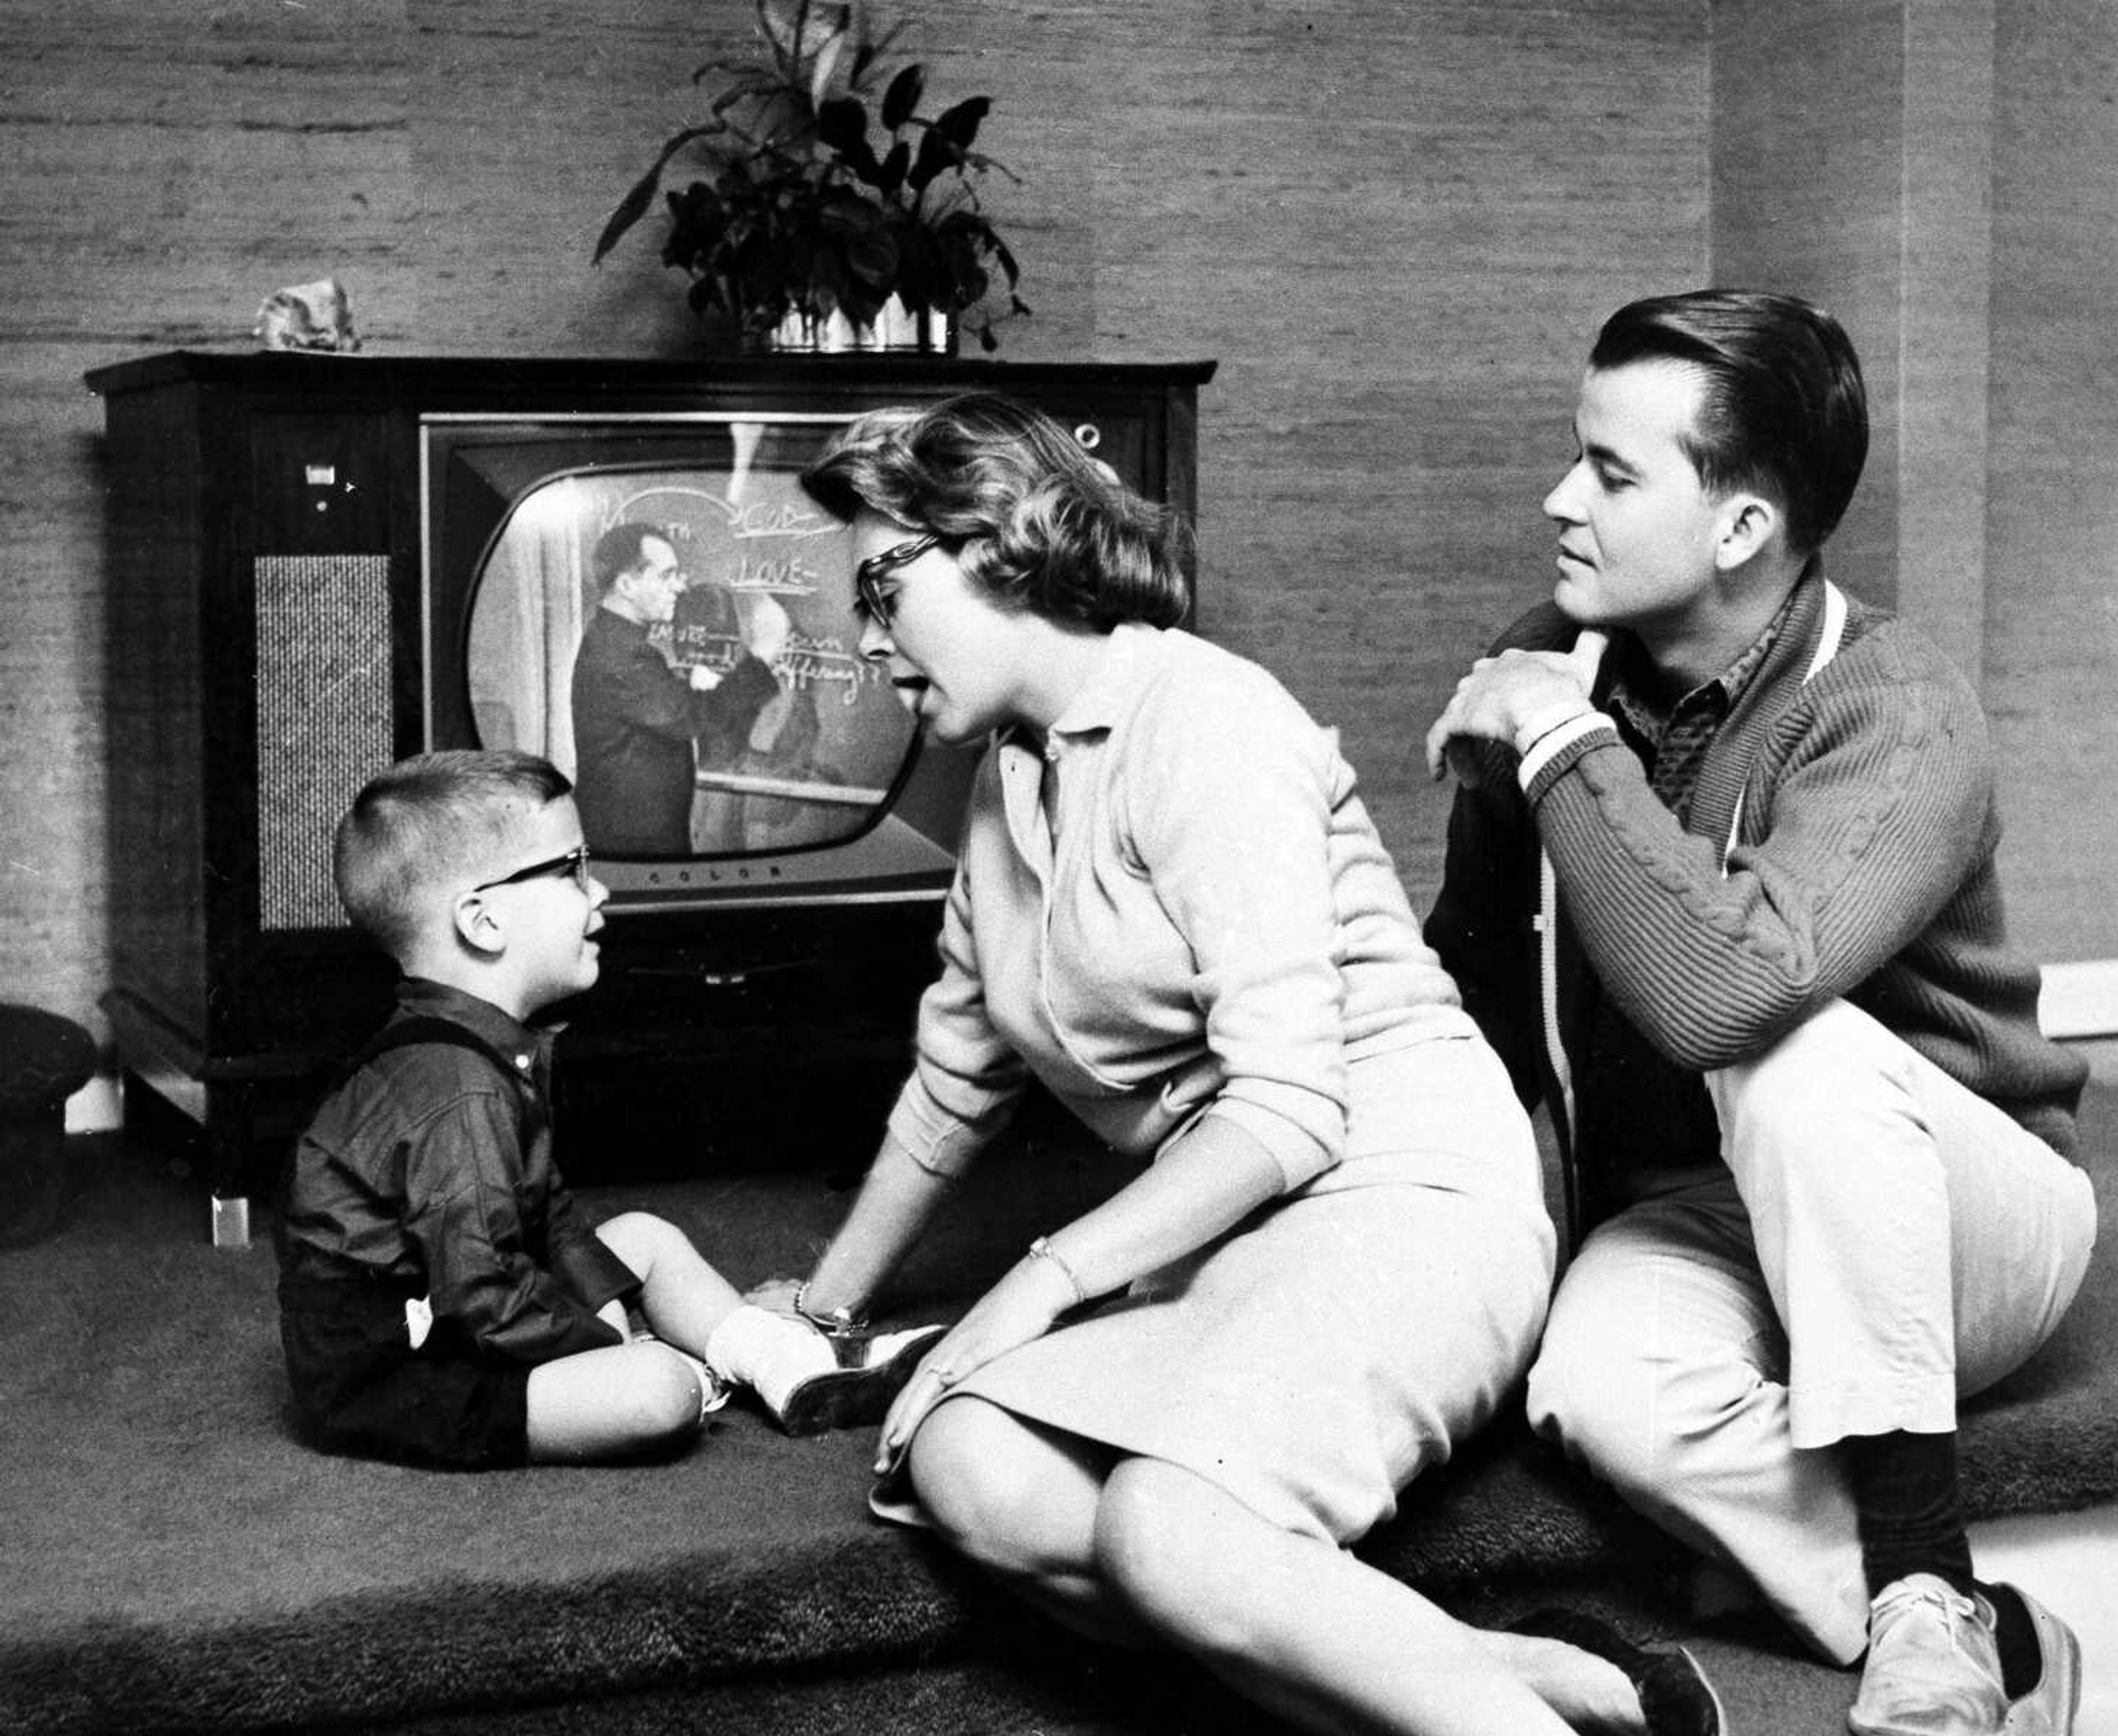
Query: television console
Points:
[272, 642]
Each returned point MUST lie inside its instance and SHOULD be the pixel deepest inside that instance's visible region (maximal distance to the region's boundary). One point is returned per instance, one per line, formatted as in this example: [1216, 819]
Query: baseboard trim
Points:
[2080, 999]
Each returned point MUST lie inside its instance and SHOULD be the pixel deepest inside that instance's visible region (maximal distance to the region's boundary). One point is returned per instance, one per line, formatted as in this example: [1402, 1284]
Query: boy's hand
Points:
[611, 1313]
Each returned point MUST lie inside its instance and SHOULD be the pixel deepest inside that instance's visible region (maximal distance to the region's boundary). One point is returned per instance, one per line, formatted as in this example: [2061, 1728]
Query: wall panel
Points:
[1808, 180]
[2051, 600]
[1395, 225]
[1944, 174]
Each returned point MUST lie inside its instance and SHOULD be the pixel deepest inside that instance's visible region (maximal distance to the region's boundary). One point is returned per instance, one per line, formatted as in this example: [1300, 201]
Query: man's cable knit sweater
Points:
[1863, 868]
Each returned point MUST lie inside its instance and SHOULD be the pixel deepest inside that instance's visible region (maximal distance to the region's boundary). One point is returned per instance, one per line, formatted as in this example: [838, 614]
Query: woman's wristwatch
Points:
[838, 1322]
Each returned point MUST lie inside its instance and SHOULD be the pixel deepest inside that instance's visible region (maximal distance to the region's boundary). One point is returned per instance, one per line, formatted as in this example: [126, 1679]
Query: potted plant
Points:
[811, 218]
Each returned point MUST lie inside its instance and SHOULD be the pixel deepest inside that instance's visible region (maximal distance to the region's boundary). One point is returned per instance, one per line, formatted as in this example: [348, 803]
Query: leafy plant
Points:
[807, 206]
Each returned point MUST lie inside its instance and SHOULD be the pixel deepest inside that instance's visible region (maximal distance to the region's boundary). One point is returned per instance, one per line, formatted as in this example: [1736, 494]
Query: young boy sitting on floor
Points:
[443, 1300]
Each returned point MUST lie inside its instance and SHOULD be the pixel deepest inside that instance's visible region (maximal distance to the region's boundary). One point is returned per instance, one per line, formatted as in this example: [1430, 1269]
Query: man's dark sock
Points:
[2021, 1660]
[1905, 1500]
[1911, 1521]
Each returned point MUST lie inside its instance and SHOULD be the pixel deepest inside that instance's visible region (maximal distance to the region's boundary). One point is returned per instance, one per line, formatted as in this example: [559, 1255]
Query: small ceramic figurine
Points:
[307, 317]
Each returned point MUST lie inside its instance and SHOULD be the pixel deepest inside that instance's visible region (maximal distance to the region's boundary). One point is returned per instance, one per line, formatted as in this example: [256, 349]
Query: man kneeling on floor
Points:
[1750, 826]
[442, 1301]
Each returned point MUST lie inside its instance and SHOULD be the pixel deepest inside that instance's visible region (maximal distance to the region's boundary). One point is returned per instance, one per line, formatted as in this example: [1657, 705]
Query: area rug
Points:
[172, 1558]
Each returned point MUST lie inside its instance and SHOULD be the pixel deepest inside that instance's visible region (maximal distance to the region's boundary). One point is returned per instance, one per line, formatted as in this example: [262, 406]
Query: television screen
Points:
[701, 776]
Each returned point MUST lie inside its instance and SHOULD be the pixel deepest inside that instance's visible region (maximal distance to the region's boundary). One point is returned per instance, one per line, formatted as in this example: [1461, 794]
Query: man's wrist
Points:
[1552, 743]
[1543, 724]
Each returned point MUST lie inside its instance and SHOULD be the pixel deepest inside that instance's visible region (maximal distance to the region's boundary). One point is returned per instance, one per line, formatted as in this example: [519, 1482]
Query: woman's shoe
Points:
[1676, 1697]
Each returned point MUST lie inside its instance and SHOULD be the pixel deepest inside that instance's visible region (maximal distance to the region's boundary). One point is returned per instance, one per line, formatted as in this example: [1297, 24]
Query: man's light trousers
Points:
[1881, 1243]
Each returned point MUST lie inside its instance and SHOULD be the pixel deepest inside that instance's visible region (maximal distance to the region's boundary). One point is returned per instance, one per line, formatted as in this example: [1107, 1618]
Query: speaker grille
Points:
[323, 720]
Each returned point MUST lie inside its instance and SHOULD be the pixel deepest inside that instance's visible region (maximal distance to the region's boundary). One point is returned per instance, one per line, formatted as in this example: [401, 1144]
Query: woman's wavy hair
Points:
[1033, 520]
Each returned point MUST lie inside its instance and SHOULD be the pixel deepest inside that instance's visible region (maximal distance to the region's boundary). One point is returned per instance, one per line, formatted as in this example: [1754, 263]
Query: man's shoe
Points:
[873, 1368]
[2049, 1708]
[1933, 1668]
[1676, 1697]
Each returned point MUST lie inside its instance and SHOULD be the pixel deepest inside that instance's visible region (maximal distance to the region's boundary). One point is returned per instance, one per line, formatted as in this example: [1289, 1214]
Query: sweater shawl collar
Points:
[1768, 692]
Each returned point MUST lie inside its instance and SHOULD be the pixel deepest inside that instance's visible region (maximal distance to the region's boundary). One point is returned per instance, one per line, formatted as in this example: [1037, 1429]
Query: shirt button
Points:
[522, 1063]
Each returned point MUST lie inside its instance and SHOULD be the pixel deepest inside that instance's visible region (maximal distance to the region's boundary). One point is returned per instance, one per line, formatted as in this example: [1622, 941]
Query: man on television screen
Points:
[640, 724]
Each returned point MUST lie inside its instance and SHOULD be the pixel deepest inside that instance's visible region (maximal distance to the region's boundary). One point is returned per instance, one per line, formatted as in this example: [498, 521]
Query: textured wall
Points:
[1944, 173]
[2052, 593]
[1808, 149]
[1395, 224]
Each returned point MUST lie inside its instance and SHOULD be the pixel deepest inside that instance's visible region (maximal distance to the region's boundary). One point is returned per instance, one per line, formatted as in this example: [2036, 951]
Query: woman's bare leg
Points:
[1019, 1500]
[1297, 1624]
[1127, 1550]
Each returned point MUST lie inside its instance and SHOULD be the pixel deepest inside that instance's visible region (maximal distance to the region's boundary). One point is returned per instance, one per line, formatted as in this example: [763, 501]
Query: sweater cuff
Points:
[1296, 1149]
[1557, 749]
[940, 1143]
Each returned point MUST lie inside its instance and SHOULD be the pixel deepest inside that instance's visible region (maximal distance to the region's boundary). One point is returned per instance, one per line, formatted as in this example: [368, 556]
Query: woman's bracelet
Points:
[838, 1322]
[1042, 1250]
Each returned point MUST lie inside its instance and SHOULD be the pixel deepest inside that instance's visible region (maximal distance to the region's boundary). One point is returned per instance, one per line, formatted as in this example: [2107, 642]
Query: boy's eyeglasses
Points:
[574, 862]
[871, 601]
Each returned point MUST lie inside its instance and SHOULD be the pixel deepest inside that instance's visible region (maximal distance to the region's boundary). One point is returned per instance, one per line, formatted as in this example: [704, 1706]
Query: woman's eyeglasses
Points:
[871, 601]
[574, 862]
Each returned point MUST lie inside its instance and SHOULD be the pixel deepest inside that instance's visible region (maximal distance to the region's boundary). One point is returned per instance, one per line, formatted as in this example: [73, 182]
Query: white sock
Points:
[713, 1389]
[769, 1353]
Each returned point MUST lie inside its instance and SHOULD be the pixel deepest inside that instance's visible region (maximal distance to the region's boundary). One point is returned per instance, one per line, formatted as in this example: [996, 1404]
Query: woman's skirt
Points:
[1318, 1357]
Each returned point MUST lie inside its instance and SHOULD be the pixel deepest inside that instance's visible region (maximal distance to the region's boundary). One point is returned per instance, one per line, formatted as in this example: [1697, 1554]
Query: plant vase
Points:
[897, 330]
[817, 224]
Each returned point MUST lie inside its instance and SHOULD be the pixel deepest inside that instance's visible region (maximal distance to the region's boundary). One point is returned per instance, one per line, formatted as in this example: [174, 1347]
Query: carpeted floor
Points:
[172, 1558]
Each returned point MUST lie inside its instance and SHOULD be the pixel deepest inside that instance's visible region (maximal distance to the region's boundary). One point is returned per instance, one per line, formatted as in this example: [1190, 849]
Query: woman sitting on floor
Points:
[1167, 1420]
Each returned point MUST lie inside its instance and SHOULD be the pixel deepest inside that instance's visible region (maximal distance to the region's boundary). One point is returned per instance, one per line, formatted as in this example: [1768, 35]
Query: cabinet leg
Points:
[231, 1222]
[230, 1136]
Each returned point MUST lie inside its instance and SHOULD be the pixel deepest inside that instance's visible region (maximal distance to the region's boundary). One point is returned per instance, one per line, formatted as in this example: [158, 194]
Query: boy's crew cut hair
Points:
[430, 821]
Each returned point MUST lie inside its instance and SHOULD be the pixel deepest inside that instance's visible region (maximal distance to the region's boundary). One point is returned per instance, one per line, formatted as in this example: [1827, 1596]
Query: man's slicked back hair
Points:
[1784, 413]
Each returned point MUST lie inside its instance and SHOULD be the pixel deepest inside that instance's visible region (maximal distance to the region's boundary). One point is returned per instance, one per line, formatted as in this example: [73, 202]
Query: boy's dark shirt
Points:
[428, 1172]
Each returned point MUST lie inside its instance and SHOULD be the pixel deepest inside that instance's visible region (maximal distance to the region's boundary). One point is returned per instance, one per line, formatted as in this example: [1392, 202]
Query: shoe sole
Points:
[2061, 1679]
[854, 1398]
[1589, 1634]
[1713, 1695]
